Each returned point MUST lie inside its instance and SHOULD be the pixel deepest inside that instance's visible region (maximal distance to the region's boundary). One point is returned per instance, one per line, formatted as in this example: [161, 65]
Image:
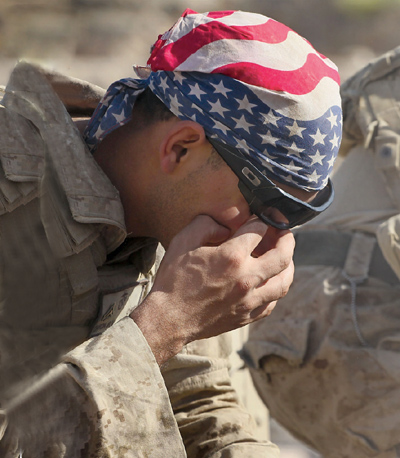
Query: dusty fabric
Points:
[388, 236]
[48, 257]
[327, 360]
[316, 377]
[107, 399]
[78, 379]
[206, 406]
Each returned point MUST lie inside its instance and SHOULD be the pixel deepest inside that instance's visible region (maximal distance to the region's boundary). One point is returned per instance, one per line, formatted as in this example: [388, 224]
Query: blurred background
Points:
[100, 40]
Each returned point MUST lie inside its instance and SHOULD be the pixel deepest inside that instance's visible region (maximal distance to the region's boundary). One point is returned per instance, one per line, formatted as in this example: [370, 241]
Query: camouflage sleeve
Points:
[211, 419]
[106, 399]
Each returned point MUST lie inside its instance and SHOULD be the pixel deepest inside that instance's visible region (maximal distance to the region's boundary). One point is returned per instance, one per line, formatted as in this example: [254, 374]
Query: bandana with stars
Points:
[289, 128]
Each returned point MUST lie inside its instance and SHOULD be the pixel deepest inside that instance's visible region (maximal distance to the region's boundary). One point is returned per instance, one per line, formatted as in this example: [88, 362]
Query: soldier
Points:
[327, 362]
[181, 156]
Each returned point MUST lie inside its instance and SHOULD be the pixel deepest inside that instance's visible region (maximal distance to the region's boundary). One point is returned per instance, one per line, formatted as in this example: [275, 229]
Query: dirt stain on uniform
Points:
[321, 363]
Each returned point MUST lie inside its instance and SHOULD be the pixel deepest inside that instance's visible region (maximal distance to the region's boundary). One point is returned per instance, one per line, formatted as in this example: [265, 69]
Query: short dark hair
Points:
[150, 108]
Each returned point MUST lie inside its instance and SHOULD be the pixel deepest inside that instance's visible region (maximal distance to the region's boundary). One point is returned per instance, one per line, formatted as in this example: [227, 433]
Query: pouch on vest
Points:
[388, 236]
[371, 106]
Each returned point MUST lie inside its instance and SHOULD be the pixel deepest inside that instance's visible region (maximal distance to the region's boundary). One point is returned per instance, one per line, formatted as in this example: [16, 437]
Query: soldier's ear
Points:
[183, 138]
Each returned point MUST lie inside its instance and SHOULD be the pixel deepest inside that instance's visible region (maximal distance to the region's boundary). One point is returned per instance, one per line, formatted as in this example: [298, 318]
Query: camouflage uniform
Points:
[327, 361]
[66, 275]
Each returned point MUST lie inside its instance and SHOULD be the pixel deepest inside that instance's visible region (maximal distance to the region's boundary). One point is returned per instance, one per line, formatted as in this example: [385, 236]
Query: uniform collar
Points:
[91, 196]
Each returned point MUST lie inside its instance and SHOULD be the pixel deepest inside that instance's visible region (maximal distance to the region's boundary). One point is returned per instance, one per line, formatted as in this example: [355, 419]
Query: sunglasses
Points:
[266, 200]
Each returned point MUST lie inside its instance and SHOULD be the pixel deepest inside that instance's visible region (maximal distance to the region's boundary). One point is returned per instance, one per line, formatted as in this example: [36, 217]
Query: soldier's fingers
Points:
[248, 236]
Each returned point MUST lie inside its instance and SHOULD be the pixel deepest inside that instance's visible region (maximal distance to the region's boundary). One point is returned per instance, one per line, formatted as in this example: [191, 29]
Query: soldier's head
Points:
[247, 89]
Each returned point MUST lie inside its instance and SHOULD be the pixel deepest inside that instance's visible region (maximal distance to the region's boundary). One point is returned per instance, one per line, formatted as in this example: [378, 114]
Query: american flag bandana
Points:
[251, 82]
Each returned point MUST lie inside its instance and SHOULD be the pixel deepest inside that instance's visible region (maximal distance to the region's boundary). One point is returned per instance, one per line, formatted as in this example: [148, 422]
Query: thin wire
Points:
[353, 307]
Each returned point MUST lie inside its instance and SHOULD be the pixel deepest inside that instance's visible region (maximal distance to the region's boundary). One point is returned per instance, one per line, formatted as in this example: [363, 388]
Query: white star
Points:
[106, 99]
[242, 124]
[295, 129]
[318, 137]
[221, 89]
[196, 91]
[242, 144]
[175, 102]
[331, 162]
[119, 117]
[217, 108]
[163, 84]
[273, 119]
[244, 104]
[221, 127]
[268, 139]
[314, 176]
[178, 77]
[265, 138]
[294, 168]
[317, 158]
[265, 118]
[194, 106]
[295, 151]
[333, 120]
[99, 132]
[335, 141]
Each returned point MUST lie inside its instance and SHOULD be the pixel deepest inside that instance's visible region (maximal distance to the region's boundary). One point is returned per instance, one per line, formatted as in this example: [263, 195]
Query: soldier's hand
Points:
[208, 284]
